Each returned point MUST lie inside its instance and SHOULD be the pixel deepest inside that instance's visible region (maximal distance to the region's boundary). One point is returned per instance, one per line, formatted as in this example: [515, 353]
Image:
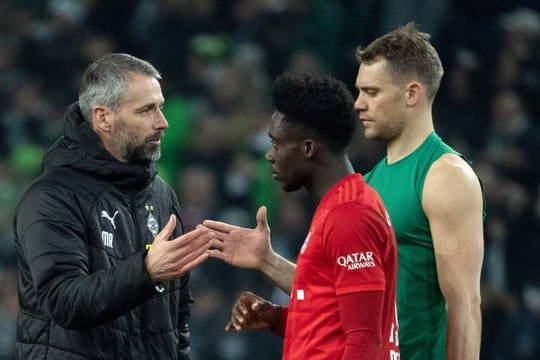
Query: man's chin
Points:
[155, 156]
[289, 188]
[145, 157]
[153, 152]
[370, 135]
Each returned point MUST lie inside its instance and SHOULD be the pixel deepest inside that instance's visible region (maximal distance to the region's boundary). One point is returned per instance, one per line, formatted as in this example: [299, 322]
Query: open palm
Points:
[239, 246]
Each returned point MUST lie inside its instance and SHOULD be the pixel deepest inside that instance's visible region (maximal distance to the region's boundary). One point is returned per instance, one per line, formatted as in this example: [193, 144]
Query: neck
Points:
[410, 138]
[329, 173]
[109, 144]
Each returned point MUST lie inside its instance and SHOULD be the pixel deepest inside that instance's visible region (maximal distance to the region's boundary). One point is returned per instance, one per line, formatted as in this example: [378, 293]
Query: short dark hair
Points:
[409, 54]
[321, 105]
[105, 81]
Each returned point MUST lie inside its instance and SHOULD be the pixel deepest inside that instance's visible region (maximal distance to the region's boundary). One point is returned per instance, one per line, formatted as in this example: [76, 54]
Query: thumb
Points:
[261, 305]
[167, 230]
[268, 312]
[262, 221]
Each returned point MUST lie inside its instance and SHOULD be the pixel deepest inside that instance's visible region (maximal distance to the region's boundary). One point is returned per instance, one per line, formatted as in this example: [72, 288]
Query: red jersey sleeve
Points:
[362, 327]
[354, 246]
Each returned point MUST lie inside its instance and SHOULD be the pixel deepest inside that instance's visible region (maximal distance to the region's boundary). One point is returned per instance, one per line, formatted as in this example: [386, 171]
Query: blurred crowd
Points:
[218, 59]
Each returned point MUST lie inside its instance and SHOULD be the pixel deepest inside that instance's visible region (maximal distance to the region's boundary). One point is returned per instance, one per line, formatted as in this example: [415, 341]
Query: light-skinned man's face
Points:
[381, 101]
[139, 124]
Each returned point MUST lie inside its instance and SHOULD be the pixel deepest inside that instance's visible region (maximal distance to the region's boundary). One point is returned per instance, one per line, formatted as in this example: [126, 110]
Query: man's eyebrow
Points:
[149, 105]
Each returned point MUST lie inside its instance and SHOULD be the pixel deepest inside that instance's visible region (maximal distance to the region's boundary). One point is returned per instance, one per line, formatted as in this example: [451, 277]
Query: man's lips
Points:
[366, 121]
[155, 139]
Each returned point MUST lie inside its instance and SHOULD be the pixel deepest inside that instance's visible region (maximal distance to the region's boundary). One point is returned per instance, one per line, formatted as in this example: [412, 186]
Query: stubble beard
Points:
[134, 150]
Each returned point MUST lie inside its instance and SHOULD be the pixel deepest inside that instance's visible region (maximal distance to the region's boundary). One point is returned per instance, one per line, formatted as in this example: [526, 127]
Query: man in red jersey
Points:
[342, 302]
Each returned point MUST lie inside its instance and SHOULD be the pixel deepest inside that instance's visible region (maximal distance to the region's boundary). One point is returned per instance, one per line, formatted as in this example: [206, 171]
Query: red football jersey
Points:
[350, 248]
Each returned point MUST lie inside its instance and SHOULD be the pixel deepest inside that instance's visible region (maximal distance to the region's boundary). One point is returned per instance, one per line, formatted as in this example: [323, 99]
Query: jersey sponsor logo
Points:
[105, 214]
[107, 239]
[359, 260]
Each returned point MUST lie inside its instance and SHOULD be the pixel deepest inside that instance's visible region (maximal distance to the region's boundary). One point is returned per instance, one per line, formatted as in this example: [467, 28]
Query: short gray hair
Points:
[104, 82]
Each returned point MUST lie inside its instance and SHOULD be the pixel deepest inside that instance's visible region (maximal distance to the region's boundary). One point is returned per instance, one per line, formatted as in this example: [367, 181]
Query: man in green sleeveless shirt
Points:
[432, 195]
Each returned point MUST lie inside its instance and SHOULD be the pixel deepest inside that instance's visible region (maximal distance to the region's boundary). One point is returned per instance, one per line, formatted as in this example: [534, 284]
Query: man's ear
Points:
[413, 93]
[309, 148]
[102, 118]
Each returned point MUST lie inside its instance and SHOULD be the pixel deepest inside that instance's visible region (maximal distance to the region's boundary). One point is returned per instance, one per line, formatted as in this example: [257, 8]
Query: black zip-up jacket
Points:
[81, 233]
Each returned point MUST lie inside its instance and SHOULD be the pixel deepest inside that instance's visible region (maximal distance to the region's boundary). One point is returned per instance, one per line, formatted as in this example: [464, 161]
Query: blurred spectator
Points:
[460, 112]
[519, 65]
[512, 139]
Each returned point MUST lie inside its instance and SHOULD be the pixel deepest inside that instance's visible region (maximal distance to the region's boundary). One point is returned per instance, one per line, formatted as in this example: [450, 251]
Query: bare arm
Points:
[251, 249]
[452, 201]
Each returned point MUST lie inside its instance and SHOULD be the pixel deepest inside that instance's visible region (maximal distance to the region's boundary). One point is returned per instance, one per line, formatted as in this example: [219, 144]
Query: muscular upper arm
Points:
[452, 201]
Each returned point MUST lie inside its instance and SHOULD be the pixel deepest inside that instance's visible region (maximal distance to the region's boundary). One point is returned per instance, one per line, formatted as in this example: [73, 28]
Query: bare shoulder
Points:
[451, 180]
[452, 169]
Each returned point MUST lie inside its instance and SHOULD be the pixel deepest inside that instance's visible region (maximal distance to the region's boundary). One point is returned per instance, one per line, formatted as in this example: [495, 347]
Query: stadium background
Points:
[218, 59]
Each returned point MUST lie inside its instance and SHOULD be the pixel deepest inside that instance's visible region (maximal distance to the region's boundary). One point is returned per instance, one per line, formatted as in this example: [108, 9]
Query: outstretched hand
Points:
[241, 247]
[253, 312]
[170, 259]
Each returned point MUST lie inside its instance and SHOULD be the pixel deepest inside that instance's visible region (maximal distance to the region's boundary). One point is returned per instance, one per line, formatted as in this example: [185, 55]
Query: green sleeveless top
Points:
[421, 306]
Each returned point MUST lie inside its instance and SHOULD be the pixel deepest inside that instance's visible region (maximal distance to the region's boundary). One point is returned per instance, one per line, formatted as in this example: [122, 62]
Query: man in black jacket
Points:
[103, 265]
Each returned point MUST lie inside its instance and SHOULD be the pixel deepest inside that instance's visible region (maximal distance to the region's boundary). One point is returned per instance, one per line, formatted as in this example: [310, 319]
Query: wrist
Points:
[270, 263]
[279, 321]
[158, 285]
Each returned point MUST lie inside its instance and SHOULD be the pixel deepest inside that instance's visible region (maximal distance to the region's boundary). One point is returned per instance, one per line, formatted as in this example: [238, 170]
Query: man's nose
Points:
[359, 104]
[162, 121]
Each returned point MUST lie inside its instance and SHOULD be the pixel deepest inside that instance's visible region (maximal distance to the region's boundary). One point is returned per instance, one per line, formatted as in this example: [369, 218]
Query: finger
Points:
[167, 230]
[256, 306]
[216, 254]
[242, 309]
[189, 243]
[193, 251]
[216, 243]
[193, 264]
[238, 310]
[228, 326]
[261, 306]
[262, 221]
[237, 321]
[219, 226]
[185, 254]
[199, 226]
[193, 234]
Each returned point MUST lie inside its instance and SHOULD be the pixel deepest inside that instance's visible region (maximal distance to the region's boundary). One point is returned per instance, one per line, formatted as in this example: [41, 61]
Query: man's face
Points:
[286, 158]
[381, 101]
[140, 124]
